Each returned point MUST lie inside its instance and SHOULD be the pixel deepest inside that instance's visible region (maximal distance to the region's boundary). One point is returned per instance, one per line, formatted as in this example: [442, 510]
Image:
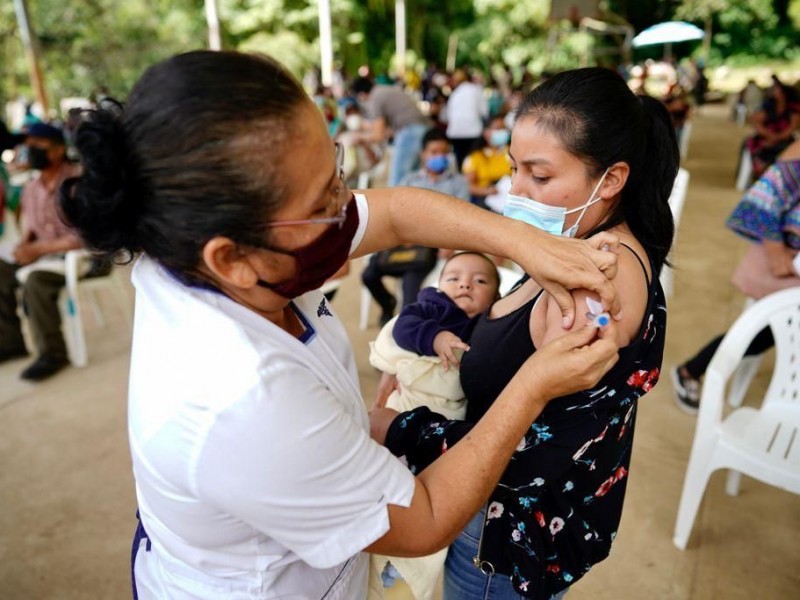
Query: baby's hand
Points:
[443, 344]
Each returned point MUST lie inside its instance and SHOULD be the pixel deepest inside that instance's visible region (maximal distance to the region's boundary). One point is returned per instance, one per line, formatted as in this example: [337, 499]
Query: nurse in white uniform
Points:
[256, 476]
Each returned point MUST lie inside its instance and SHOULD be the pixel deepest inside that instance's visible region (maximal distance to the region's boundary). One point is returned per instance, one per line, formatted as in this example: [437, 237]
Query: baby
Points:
[428, 337]
[419, 347]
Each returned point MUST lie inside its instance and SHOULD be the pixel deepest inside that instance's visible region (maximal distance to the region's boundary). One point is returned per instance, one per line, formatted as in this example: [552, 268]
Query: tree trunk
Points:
[707, 38]
[32, 53]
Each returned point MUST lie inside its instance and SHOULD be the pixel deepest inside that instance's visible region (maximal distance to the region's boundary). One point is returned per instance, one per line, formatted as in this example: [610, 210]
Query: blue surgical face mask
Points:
[437, 164]
[545, 217]
[499, 138]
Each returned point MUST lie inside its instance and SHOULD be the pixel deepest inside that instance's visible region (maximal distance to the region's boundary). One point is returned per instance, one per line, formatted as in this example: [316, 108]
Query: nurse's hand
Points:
[573, 362]
[561, 264]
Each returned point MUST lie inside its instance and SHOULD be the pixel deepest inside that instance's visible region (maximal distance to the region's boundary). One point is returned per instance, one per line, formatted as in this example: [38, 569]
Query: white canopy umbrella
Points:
[668, 33]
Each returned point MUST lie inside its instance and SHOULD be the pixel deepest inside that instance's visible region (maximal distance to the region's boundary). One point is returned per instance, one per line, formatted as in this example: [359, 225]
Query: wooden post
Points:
[325, 43]
[32, 53]
[400, 37]
[452, 50]
[212, 18]
[709, 27]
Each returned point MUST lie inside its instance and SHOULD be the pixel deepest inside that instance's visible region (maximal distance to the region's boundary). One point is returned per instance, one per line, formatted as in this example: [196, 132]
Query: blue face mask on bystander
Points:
[437, 164]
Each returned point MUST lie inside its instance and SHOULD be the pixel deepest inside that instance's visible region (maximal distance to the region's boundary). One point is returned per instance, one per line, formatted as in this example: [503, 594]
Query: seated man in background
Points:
[436, 174]
[44, 237]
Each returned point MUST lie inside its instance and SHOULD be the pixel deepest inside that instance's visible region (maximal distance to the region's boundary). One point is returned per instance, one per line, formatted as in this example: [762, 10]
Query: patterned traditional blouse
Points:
[770, 209]
[558, 505]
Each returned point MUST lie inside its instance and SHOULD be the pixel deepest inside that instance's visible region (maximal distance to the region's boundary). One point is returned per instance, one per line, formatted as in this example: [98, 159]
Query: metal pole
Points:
[212, 18]
[31, 45]
[400, 36]
[325, 43]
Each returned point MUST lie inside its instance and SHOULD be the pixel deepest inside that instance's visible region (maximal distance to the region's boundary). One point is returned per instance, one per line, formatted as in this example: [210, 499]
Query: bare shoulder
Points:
[632, 289]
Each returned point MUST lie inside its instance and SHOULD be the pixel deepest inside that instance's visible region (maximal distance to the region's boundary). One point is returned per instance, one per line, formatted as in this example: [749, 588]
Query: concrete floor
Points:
[67, 496]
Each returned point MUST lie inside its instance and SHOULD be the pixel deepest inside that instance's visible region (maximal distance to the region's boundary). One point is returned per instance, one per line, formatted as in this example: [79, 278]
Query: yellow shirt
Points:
[489, 165]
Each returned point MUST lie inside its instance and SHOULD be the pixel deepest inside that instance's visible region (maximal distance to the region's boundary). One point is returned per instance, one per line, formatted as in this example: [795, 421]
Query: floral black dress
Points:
[558, 505]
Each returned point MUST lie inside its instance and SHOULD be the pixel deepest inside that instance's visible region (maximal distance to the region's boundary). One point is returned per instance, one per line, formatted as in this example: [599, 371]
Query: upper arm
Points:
[631, 286]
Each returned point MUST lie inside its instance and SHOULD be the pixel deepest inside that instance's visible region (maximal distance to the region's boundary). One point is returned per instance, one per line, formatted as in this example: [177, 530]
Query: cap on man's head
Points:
[46, 132]
[9, 140]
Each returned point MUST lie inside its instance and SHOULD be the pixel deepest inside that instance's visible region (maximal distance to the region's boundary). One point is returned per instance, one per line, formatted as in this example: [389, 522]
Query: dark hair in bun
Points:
[193, 155]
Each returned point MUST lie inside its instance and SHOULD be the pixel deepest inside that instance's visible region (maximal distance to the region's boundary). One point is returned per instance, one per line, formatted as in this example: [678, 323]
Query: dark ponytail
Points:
[195, 154]
[598, 119]
[652, 223]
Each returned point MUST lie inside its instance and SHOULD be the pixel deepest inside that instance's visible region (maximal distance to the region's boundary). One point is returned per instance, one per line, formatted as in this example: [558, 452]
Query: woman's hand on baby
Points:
[564, 264]
[576, 361]
[386, 386]
[444, 344]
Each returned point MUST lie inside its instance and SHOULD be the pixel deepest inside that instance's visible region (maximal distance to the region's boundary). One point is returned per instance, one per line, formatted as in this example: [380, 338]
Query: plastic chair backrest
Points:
[781, 311]
[683, 143]
[676, 201]
[678, 196]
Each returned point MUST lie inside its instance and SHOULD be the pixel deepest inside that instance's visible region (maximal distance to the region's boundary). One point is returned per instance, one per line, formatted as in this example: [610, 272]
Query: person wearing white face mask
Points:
[588, 156]
[358, 157]
[485, 167]
[549, 218]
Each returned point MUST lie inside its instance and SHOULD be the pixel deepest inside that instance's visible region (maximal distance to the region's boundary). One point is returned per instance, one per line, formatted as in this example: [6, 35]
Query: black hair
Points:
[600, 120]
[193, 155]
[362, 85]
[434, 134]
[484, 257]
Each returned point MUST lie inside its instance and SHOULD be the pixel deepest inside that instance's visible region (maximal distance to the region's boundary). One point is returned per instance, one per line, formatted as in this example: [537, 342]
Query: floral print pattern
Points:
[557, 507]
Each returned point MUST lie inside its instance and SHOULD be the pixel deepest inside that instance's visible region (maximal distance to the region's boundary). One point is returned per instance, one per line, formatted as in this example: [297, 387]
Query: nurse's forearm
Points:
[401, 215]
[412, 215]
[452, 489]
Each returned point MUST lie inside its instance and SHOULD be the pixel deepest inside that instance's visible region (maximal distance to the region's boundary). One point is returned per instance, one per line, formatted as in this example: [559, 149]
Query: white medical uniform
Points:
[255, 473]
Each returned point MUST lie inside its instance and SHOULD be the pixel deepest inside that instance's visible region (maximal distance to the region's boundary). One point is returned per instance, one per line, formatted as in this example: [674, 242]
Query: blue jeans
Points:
[407, 146]
[463, 581]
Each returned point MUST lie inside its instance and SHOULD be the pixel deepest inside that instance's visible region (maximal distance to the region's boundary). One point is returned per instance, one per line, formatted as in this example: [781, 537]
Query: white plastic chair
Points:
[744, 374]
[763, 443]
[683, 144]
[11, 233]
[366, 297]
[676, 201]
[745, 175]
[741, 114]
[70, 302]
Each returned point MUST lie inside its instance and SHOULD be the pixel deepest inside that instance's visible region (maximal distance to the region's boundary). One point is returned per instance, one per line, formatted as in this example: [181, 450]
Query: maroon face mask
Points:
[320, 259]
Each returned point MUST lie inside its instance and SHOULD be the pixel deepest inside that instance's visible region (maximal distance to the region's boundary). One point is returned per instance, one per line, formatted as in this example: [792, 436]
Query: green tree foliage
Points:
[743, 32]
[91, 43]
[108, 43]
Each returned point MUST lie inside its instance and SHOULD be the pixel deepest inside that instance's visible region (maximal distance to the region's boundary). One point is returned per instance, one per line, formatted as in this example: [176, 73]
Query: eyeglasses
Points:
[340, 194]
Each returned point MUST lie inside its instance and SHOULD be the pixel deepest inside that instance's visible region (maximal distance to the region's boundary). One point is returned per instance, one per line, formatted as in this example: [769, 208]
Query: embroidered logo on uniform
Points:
[323, 309]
